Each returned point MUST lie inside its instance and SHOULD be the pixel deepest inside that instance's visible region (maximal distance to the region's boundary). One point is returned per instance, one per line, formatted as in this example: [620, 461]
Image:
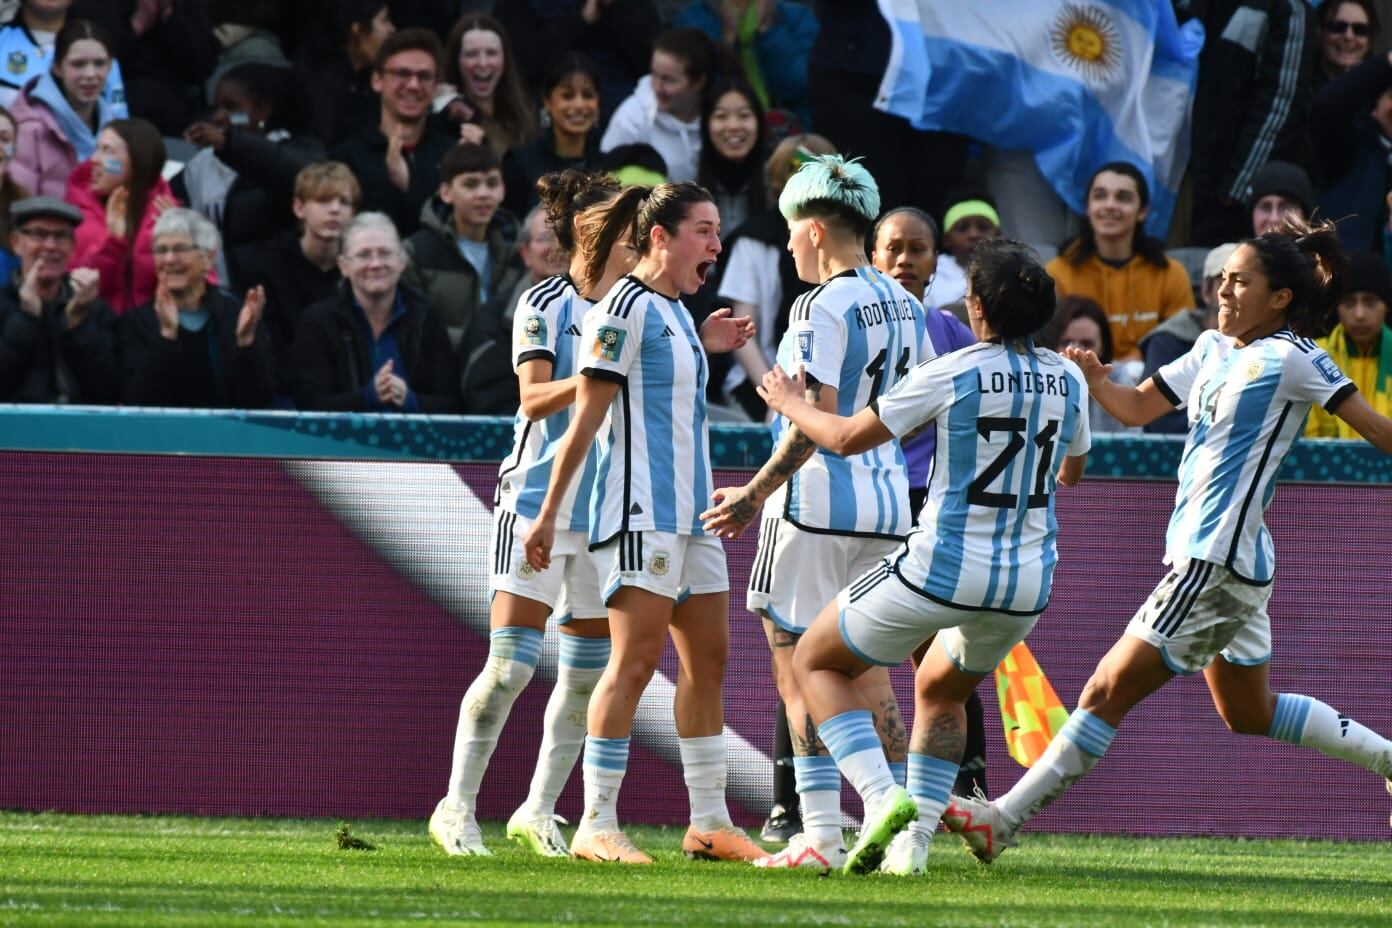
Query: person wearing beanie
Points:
[1360, 343]
[1277, 189]
[970, 217]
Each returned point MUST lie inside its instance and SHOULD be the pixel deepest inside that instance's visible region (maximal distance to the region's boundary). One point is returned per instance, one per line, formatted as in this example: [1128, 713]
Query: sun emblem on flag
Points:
[1086, 39]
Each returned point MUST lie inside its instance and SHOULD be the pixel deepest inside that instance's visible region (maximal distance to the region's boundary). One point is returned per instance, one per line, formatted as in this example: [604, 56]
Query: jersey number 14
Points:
[1015, 428]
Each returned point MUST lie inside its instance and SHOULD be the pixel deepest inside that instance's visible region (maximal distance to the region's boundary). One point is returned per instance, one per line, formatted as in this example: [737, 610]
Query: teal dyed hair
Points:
[829, 184]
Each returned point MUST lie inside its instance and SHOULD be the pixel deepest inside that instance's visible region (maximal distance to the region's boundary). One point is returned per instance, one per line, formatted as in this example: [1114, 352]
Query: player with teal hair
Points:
[827, 519]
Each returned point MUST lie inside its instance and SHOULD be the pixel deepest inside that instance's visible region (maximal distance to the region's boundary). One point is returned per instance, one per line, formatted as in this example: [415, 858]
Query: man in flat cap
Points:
[57, 337]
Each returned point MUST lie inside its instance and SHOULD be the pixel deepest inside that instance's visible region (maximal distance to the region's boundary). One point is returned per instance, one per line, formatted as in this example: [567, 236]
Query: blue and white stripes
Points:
[1288, 721]
[1088, 732]
[814, 773]
[584, 653]
[522, 645]
[606, 753]
[849, 733]
[900, 771]
[931, 778]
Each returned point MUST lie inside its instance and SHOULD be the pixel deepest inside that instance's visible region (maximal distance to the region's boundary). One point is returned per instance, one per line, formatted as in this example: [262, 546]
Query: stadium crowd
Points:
[331, 205]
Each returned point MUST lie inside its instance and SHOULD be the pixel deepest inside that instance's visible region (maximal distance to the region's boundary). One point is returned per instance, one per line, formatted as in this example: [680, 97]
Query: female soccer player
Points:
[976, 574]
[1248, 387]
[644, 374]
[545, 354]
[827, 519]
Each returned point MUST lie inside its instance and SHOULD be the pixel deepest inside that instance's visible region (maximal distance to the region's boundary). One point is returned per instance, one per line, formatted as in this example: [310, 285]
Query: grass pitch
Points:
[147, 871]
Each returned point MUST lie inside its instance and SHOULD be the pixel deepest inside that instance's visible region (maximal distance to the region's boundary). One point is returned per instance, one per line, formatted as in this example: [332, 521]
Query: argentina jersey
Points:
[1005, 420]
[654, 471]
[859, 332]
[546, 325]
[1246, 406]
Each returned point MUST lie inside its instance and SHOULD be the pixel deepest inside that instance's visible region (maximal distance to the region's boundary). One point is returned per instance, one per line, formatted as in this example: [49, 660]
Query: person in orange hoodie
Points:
[121, 193]
[1114, 262]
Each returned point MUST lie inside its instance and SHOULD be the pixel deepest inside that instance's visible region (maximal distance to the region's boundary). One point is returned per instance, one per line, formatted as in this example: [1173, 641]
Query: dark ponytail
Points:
[1304, 257]
[1016, 293]
[566, 194]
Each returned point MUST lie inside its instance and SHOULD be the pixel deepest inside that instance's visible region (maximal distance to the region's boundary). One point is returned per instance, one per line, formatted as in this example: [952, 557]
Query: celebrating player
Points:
[546, 345]
[975, 574]
[644, 375]
[1248, 388]
[826, 518]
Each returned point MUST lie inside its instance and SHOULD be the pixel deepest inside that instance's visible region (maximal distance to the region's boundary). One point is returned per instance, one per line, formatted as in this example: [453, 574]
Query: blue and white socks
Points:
[703, 769]
[1075, 750]
[853, 742]
[512, 659]
[819, 795]
[1307, 721]
[930, 782]
[606, 762]
[580, 665]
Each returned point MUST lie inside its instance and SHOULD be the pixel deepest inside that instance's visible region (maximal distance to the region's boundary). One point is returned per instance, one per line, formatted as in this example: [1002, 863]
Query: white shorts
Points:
[884, 620]
[675, 566]
[797, 573]
[1200, 610]
[570, 586]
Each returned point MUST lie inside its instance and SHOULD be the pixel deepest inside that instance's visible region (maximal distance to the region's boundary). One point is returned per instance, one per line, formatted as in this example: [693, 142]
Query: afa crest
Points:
[525, 570]
[608, 343]
[660, 564]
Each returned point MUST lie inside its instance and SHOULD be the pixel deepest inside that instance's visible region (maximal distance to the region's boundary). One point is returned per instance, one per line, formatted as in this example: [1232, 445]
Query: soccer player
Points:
[643, 378]
[546, 346]
[827, 519]
[1247, 388]
[1011, 423]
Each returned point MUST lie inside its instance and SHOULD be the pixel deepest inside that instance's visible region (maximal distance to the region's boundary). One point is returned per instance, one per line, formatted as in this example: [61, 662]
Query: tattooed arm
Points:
[736, 507]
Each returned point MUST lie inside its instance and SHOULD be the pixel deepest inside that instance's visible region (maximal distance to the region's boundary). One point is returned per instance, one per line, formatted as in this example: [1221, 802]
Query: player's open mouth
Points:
[702, 270]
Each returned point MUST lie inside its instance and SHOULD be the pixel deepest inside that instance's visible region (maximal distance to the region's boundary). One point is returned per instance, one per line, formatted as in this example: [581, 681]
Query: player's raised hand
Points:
[780, 391]
[731, 514]
[538, 541]
[723, 331]
[1091, 365]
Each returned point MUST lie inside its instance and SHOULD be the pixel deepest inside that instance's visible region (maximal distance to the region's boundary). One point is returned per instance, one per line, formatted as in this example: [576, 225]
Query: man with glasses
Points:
[398, 161]
[57, 337]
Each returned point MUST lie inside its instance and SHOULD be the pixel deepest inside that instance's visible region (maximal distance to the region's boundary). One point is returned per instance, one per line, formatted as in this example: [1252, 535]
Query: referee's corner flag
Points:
[1030, 709]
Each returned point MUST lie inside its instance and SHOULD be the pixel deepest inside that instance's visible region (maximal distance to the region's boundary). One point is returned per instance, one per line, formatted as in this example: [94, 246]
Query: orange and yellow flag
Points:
[1029, 707]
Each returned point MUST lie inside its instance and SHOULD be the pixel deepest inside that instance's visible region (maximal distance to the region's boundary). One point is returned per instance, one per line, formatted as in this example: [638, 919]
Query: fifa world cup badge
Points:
[659, 564]
[608, 343]
[534, 331]
[17, 63]
[804, 346]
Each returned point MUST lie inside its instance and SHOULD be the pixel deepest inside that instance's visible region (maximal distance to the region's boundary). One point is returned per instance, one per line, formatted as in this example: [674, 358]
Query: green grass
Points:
[127, 870]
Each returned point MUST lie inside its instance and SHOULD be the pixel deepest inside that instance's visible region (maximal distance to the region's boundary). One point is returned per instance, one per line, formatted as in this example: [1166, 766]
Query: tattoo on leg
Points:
[942, 736]
[890, 725]
[782, 638]
[807, 743]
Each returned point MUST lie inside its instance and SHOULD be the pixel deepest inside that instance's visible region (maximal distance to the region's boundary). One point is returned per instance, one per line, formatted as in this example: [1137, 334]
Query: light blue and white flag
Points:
[1078, 82]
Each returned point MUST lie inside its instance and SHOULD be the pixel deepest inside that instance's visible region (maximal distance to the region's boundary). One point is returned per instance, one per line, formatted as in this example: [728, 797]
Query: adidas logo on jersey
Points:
[635, 510]
[573, 330]
[667, 332]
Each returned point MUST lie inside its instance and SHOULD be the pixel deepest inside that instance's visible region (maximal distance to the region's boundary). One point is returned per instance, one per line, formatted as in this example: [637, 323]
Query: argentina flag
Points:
[1078, 82]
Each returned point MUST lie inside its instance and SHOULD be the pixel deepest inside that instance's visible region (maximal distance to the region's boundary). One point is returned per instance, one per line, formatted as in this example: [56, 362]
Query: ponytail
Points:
[1304, 257]
[565, 194]
[600, 228]
[1016, 293]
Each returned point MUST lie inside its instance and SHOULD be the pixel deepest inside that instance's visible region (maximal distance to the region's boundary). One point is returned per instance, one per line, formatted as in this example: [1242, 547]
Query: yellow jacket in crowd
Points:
[1372, 373]
[1135, 296]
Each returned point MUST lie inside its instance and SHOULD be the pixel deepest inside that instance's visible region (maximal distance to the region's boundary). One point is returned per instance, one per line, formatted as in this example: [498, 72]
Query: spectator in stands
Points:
[397, 162]
[60, 112]
[10, 192]
[970, 217]
[374, 346]
[617, 35]
[1348, 29]
[121, 193]
[195, 344]
[1079, 322]
[1177, 334]
[733, 150]
[1277, 189]
[1360, 344]
[757, 278]
[1353, 123]
[464, 250]
[771, 38]
[57, 336]
[1114, 262]
[482, 93]
[570, 98]
[243, 179]
[664, 110]
[638, 163]
[1257, 74]
[28, 43]
[335, 68]
[299, 267]
[245, 31]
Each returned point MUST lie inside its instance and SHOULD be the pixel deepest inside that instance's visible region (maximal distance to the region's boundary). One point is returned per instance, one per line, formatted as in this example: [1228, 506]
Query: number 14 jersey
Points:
[1005, 419]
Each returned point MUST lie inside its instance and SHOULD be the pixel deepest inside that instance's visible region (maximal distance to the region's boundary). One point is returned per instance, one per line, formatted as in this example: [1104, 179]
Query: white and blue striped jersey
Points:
[654, 470]
[860, 332]
[1246, 407]
[1005, 420]
[546, 325]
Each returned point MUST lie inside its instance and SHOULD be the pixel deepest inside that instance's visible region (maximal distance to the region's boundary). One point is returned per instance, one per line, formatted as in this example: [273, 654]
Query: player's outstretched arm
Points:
[1366, 421]
[1128, 405]
[839, 434]
[592, 400]
[541, 396]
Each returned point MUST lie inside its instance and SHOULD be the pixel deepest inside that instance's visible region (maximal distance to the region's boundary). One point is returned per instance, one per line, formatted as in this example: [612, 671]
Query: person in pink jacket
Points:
[121, 193]
[61, 111]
